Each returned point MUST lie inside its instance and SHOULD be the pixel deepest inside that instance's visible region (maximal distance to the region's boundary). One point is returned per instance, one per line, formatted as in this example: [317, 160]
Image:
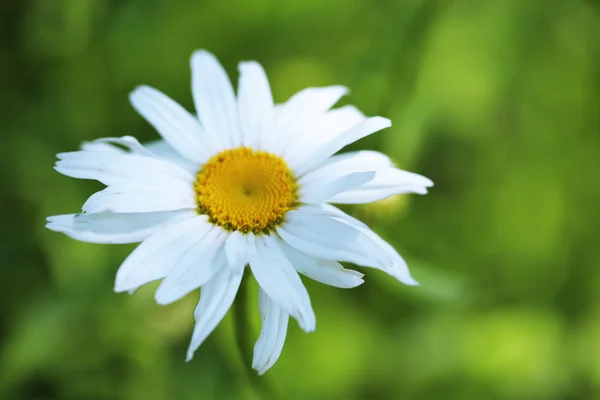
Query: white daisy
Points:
[244, 183]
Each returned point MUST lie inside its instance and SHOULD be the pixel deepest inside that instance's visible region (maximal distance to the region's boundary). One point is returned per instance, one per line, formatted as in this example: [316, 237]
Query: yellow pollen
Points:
[246, 190]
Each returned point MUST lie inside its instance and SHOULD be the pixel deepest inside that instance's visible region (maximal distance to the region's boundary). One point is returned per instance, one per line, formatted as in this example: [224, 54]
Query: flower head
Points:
[244, 182]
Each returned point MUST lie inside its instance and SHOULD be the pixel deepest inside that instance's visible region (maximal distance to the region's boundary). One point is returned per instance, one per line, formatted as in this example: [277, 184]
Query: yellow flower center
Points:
[246, 190]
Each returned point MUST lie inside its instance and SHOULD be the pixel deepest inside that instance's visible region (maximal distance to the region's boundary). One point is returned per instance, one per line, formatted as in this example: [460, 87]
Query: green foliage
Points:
[497, 101]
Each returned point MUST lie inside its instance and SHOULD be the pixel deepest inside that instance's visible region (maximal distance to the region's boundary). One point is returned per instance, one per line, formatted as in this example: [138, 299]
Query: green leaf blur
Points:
[497, 101]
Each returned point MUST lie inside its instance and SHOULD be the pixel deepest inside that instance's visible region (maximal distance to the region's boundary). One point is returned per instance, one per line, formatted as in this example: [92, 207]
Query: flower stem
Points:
[242, 322]
[243, 335]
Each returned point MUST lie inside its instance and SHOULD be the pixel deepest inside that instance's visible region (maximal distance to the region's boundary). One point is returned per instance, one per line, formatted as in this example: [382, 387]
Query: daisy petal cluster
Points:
[243, 183]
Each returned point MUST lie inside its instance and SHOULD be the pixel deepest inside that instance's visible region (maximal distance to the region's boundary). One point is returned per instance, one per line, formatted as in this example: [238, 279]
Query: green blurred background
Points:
[497, 101]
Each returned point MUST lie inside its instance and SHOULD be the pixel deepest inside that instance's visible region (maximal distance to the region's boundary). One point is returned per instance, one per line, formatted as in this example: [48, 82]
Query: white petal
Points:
[216, 298]
[239, 249]
[339, 239]
[177, 126]
[299, 114]
[112, 167]
[367, 160]
[155, 257]
[332, 212]
[364, 195]
[273, 330]
[277, 277]
[193, 268]
[388, 177]
[115, 228]
[328, 272]
[157, 148]
[255, 102]
[327, 238]
[162, 149]
[399, 268]
[99, 146]
[162, 195]
[328, 126]
[370, 157]
[129, 142]
[215, 100]
[345, 163]
[316, 158]
[388, 180]
[324, 190]
[309, 102]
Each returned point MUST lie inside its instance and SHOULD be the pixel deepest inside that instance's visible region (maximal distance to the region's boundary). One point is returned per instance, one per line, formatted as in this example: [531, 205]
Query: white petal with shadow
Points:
[255, 103]
[278, 278]
[299, 114]
[214, 100]
[155, 257]
[164, 150]
[113, 228]
[216, 297]
[273, 331]
[332, 146]
[328, 272]
[115, 167]
[324, 190]
[195, 267]
[386, 182]
[339, 239]
[239, 249]
[175, 124]
[160, 195]
[345, 163]
[315, 133]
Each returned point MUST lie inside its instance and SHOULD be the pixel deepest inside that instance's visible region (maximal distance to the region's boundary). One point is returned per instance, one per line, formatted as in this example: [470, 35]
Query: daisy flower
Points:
[244, 182]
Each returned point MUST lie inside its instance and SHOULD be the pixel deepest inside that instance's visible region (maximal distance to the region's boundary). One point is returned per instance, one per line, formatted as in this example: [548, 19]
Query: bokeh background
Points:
[497, 101]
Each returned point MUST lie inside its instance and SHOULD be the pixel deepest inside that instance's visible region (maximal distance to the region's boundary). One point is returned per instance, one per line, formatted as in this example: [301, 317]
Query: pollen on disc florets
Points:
[246, 190]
